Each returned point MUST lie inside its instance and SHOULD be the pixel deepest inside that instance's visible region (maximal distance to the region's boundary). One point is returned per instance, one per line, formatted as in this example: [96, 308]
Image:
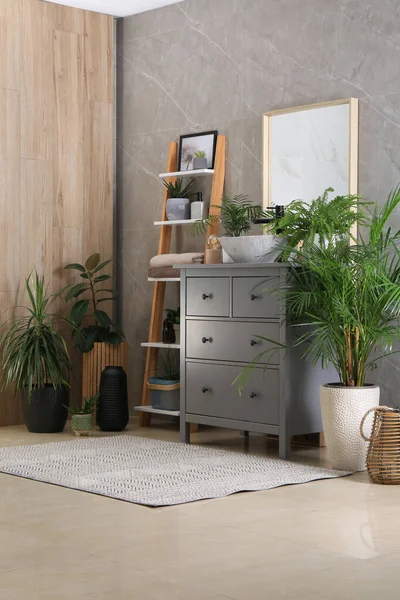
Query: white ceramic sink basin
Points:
[252, 248]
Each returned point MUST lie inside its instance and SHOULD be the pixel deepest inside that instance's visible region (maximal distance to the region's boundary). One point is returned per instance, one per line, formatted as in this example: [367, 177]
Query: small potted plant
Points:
[178, 203]
[35, 360]
[164, 389]
[171, 328]
[82, 422]
[200, 160]
[236, 216]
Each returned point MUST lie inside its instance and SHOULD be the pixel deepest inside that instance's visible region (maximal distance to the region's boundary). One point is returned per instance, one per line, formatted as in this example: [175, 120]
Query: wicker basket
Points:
[383, 457]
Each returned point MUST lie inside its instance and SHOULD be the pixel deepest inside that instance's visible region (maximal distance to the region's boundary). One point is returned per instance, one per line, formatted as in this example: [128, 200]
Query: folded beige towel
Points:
[167, 260]
[163, 272]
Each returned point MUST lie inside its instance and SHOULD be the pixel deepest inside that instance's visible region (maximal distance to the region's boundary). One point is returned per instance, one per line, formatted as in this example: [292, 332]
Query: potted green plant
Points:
[82, 422]
[100, 340]
[164, 388]
[171, 329]
[200, 160]
[343, 302]
[322, 221]
[178, 203]
[35, 359]
[236, 215]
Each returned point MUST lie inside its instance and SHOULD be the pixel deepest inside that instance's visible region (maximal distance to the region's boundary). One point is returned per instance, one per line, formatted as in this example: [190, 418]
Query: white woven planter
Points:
[342, 411]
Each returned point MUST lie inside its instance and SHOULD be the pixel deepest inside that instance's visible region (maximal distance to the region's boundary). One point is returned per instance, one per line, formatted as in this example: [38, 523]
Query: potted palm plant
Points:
[82, 422]
[98, 337]
[34, 358]
[178, 203]
[343, 302]
[236, 215]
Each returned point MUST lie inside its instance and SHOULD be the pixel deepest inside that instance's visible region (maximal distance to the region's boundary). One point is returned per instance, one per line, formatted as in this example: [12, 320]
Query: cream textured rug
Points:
[152, 472]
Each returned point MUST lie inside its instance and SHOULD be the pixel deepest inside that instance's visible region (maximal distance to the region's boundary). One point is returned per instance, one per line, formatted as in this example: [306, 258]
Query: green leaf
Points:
[106, 299]
[105, 290]
[102, 278]
[110, 337]
[92, 262]
[79, 311]
[85, 276]
[76, 267]
[76, 290]
[102, 318]
[101, 266]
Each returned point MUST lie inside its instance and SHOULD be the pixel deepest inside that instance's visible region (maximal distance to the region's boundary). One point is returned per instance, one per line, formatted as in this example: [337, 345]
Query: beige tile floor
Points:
[326, 540]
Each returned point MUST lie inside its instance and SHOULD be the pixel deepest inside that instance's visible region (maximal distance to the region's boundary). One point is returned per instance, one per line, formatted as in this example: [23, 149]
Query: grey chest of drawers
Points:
[225, 308]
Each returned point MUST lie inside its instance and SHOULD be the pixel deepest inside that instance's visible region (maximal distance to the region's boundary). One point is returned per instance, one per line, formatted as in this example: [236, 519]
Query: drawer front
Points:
[230, 341]
[252, 297]
[208, 296]
[209, 391]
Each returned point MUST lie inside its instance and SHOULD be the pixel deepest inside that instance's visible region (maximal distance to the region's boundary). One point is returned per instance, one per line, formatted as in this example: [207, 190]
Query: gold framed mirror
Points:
[307, 149]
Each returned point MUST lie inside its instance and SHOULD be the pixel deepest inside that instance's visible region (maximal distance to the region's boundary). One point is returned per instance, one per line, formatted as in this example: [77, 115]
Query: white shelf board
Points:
[157, 411]
[163, 279]
[191, 173]
[182, 222]
[160, 345]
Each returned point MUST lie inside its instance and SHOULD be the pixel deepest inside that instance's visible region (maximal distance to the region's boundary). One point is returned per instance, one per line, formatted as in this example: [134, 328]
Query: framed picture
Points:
[193, 144]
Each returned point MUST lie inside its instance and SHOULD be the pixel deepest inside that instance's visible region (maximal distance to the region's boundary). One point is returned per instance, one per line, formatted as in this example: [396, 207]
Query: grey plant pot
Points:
[178, 209]
[199, 163]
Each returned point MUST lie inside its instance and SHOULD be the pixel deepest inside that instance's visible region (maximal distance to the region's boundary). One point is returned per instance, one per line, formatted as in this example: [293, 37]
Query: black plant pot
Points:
[112, 408]
[45, 409]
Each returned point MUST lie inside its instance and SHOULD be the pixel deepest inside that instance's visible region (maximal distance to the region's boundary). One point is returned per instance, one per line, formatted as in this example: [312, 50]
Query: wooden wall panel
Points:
[69, 89]
[36, 217]
[99, 182]
[9, 190]
[98, 57]
[37, 80]
[10, 17]
[56, 151]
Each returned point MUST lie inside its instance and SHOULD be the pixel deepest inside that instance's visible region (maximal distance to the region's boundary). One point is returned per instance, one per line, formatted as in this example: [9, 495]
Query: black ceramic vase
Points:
[112, 408]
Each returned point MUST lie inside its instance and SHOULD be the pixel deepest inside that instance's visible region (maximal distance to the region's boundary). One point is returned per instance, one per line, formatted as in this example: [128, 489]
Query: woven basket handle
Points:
[374, 435]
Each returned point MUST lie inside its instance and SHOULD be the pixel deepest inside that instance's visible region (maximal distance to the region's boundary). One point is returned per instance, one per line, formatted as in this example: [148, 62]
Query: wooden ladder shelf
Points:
[164, 245]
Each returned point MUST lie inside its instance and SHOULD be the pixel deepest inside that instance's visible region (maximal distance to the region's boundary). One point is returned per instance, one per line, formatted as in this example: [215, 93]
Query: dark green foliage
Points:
[173, 315]
[88, 406]
[33, 352]
[177, 189]
[94, 324]
[322, 221]
[344, 300]
[235, 215]
[170, 366]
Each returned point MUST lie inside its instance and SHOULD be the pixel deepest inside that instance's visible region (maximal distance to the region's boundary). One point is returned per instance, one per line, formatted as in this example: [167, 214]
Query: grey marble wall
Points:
[219, 64]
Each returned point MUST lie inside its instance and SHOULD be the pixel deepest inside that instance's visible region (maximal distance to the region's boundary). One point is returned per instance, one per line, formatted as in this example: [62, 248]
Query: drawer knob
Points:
[253, 297]
[206, 296]
[205, 390]
[253, 395]
[205, 340]
[253, 343]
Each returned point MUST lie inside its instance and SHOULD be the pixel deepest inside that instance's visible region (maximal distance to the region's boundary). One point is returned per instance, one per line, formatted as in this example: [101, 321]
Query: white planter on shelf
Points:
[251, 248]
[342, 410]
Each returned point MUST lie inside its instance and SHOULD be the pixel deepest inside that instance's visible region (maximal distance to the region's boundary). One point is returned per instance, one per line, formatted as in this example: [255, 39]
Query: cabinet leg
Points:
[185, 432]
[284, 446]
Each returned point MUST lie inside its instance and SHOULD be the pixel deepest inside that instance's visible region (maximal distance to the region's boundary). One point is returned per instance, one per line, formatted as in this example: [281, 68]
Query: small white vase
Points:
[342, 411]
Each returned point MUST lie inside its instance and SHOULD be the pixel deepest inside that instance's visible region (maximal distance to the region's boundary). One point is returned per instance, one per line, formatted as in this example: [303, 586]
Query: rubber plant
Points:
[86, 313]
